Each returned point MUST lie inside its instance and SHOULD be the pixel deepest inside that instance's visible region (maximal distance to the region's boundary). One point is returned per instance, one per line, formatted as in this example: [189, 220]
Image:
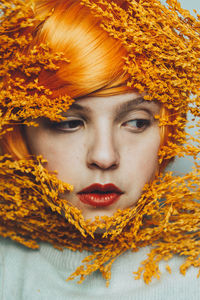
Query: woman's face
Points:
[107, 149]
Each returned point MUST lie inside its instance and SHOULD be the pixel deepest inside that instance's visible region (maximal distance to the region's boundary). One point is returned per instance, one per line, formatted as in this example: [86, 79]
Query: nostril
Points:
[104, 166]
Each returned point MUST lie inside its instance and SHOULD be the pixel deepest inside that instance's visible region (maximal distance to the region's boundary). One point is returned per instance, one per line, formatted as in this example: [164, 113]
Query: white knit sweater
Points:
[40, 275]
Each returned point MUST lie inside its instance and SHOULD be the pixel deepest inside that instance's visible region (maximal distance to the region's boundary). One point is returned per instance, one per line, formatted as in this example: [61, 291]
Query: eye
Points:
[68, 126]
[137, 125]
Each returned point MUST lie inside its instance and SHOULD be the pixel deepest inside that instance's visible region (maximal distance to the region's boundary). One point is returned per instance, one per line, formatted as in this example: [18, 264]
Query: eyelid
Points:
[76, 116]
[54, 125]
[136, 114]
[135, 129]
[69, 118]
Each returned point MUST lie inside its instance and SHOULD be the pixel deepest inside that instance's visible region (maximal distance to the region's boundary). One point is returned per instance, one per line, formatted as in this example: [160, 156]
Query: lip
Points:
[99, 195]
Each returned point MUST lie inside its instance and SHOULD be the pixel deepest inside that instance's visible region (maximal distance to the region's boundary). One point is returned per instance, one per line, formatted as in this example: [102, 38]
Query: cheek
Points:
[66, 163]
[66, 156]
[63, 155]
[142, 157]
[148, 155]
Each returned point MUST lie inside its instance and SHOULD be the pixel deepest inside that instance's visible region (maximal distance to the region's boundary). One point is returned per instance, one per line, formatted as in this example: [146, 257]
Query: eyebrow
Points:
[120, 108]
[128, 105]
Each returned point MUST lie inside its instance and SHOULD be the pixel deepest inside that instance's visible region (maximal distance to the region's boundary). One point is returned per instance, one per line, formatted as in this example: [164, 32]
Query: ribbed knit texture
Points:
[40, 275]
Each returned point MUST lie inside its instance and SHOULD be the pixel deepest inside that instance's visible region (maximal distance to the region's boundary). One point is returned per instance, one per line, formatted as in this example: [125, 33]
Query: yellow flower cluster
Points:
[163, 58]
[21, 96]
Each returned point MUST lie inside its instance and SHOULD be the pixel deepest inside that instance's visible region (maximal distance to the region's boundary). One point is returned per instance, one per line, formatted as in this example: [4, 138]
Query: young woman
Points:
[93, 108]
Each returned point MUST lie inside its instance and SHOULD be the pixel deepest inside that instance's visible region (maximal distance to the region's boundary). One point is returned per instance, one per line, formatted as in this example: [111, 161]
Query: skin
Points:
[111, 139]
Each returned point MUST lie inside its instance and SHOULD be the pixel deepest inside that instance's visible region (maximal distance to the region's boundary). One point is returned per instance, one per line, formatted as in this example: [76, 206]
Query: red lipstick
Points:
[100, 195]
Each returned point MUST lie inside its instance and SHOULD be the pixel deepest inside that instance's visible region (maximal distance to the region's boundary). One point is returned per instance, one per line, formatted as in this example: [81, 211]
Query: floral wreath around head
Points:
[168, 67]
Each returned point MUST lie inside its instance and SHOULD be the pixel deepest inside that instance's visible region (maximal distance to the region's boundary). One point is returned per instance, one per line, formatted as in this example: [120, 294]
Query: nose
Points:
[102, 151]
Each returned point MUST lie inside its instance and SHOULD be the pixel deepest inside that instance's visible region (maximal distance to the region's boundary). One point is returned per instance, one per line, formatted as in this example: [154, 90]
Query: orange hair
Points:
[96, 64]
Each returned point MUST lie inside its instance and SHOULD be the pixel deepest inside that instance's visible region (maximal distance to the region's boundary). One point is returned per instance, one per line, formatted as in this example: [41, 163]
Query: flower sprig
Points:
[167, 68]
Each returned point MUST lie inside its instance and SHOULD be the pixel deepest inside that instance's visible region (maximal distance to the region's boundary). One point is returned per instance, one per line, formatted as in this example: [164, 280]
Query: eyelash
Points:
[140, 125]
[61, 125]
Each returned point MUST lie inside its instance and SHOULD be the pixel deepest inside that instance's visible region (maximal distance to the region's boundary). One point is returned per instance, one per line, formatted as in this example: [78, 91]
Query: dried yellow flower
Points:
[168, 67]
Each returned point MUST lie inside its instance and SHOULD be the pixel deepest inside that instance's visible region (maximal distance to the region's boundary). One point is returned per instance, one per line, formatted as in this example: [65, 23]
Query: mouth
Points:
[99, 195]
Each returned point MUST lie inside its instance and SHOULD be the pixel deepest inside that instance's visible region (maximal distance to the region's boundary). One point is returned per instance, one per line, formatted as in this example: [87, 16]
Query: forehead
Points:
[117, 103]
